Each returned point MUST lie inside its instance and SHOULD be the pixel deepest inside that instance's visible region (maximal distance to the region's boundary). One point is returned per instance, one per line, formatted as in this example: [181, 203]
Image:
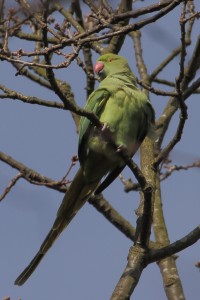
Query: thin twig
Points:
[179, 84]
[171, 169]
[10, 186]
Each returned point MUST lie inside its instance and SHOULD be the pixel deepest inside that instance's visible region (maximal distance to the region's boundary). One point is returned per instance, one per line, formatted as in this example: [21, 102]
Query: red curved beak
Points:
[98, 67]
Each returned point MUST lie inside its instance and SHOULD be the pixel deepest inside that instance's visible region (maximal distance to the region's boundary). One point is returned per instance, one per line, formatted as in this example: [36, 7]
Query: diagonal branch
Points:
[185, 242]
[10, 94]
[116, 42]
[99, 202]
[10, 186]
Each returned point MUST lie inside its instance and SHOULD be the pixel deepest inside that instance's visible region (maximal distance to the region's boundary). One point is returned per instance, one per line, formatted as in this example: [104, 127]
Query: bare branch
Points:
[112, 215]
[179, 245]
[171, 169]
[10, 186]
[10, 94]
[31, 175]
[180, 96]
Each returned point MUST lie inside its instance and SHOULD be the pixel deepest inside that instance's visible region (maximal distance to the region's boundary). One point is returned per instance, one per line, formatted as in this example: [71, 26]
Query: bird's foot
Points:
[105, 127]
[106, 131]
[121, 148]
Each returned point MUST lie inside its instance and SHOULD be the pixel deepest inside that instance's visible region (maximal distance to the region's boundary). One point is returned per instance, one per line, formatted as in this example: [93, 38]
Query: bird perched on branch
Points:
[127, 117]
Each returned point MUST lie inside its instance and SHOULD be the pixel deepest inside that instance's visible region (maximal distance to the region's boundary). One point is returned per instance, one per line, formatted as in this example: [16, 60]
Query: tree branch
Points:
[10, 94]
[185, 242]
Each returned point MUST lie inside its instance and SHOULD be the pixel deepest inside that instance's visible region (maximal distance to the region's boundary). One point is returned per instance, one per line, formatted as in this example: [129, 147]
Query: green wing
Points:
[95, 103]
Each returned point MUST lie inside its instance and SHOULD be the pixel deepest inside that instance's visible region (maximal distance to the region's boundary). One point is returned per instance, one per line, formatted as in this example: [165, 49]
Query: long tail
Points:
[74, 199]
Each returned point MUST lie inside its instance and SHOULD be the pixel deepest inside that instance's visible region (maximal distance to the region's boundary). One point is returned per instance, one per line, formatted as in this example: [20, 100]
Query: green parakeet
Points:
[128, 117]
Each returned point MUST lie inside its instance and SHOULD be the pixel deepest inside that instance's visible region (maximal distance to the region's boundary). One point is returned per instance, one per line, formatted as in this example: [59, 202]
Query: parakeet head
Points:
[110, 64]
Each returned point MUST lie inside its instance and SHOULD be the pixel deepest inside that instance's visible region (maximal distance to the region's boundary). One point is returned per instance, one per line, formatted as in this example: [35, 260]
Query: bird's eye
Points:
[110, 60]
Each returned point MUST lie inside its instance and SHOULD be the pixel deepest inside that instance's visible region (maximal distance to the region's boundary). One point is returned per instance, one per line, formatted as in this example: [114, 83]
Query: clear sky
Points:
[88, 258]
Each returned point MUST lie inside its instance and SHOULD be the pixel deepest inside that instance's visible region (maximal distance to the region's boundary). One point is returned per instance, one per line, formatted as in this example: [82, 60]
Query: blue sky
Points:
[88, 258]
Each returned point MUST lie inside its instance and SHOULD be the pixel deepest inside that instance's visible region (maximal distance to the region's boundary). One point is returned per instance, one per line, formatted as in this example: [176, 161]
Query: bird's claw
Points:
[121, 148]
[106, 131]
[105, 127]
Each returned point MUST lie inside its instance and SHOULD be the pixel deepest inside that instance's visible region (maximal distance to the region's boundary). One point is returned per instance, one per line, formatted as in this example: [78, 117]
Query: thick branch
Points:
[185, 242]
